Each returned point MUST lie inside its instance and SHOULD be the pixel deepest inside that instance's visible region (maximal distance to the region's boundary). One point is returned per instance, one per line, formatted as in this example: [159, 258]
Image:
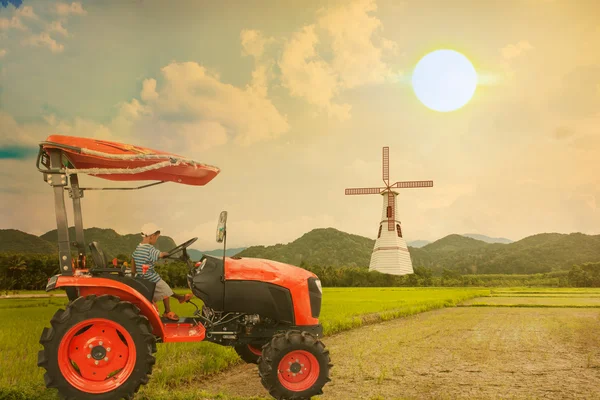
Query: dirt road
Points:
[457, 353]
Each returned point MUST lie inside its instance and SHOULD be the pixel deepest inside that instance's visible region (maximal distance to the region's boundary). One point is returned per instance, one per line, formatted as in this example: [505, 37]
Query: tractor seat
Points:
[98, 256]
[141, 285]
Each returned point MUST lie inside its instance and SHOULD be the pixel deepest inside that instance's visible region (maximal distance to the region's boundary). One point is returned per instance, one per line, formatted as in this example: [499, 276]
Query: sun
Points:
[444, 80]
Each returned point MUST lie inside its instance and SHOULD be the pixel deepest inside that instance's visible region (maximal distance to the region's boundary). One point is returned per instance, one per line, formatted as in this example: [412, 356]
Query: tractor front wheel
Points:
[294, 365]
[99, 348]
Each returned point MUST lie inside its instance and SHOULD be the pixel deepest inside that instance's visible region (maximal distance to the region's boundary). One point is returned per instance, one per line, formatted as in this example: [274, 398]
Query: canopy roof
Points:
[124, 162]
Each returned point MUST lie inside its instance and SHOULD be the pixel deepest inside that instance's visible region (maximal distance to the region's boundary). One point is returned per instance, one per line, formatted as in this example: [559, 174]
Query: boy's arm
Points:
[132, 268]
[158, 254]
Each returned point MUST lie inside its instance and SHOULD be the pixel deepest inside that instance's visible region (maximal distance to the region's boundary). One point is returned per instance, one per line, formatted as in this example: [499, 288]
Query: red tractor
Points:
[101, 346]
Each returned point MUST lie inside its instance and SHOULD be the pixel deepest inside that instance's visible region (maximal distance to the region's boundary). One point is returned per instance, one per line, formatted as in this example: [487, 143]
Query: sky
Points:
[294, 101]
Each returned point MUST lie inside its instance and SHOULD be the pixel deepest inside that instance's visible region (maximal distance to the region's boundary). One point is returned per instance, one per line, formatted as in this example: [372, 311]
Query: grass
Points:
[181, 364]
[347, 308]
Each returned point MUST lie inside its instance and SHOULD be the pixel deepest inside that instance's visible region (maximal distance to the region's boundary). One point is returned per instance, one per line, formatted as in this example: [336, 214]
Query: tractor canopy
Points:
[122, 162]
[62, 158]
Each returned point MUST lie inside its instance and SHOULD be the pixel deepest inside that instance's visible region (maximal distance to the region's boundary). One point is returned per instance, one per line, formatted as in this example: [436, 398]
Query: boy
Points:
[146, 253]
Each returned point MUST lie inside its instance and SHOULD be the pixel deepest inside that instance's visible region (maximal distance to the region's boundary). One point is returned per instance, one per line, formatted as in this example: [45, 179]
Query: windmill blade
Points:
[364, 190]
[391, 215]
[412, 184]
[386, 166]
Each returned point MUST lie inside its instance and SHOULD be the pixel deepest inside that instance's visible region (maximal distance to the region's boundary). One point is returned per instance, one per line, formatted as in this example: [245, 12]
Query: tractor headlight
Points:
[318, 282]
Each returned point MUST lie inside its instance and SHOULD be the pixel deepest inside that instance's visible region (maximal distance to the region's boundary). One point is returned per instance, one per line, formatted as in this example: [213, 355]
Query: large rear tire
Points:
[99, 348]
[294, 366]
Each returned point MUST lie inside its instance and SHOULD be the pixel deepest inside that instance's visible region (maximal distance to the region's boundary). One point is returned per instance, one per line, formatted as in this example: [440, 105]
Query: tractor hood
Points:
[257, 269]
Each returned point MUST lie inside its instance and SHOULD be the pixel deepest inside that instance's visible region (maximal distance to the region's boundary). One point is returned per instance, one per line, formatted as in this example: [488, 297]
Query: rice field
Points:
[180, 365]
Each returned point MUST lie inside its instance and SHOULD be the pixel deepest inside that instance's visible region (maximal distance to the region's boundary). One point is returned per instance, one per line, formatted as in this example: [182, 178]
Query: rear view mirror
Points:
[221, 227]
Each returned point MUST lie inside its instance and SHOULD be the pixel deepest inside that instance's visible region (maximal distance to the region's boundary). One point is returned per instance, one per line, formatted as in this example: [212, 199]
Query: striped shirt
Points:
[147, 254]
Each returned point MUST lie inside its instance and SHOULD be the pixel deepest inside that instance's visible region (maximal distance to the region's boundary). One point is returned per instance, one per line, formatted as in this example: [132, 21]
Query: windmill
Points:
[390, 254]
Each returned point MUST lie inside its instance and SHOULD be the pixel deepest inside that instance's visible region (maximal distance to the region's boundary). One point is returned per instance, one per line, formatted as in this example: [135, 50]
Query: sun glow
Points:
[444, 80]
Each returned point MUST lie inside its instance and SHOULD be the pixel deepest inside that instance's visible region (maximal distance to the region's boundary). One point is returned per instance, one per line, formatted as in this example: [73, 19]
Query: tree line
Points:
[32, 271]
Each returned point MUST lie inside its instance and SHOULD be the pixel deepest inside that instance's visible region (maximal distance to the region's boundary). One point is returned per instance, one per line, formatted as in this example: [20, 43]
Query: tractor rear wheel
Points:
[250, 353]
[294, 365]
[99, 348]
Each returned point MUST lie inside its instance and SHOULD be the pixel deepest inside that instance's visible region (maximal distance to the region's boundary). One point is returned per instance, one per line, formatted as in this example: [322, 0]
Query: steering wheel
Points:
[181, 247]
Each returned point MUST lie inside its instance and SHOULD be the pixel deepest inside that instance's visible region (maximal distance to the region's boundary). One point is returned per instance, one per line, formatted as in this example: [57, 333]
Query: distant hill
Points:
[197, 254]
[535, 254]
[539, 253]
[418, 243]
[323, 246]
[487, 239]
[330, 247]
[454, 243]
[110, 241]
[14, 241]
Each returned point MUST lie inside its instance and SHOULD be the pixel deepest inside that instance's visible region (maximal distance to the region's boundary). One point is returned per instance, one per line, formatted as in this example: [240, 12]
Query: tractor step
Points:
[183, 331]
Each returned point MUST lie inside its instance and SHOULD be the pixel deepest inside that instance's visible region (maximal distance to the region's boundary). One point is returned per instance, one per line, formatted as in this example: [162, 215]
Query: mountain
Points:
[539, 253]
[535, 254]
[323, 246]
[197, 254]
[14, 241]
[454, 243]
[418, 243]
[487, 239]
[110, 241]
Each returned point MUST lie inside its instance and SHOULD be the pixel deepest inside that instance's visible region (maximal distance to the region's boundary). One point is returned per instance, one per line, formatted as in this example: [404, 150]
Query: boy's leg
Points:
[163, 291]
[182, 298]
[167, 304]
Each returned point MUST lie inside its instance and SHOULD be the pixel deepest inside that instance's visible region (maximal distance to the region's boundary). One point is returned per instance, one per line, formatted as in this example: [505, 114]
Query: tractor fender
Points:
[92, 285]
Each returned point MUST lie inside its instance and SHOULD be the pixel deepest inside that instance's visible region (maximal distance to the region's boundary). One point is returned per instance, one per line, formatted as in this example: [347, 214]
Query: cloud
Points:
[189, 94]
[149, 90]
[189, 109]
[356, 59]
[18, 141]
[3, 52]
[27, 12]
[514, 50]
[44, 40]
[580, 134]
[254, 43]
[13, 23]
[56, 26]
[562, 132]
[16, 21]
[578, 95]
[308, 76]
[74, 8]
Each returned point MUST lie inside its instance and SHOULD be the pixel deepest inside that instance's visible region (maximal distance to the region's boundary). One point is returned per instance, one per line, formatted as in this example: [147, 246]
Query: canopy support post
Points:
[76, 194]
[58, 180]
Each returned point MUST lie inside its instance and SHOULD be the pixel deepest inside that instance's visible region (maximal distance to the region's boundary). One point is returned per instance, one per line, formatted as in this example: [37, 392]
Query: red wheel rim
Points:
[298, 370]
[96, 355]
[257, 351]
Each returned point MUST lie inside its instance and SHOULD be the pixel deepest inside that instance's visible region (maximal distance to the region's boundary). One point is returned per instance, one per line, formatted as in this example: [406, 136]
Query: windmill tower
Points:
[390, 254]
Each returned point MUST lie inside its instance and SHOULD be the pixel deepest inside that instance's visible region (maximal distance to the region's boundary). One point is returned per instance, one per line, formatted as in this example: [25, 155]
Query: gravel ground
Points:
[456, 353]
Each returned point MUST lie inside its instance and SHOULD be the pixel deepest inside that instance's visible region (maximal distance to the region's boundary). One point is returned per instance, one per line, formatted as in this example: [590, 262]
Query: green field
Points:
[179, 365]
